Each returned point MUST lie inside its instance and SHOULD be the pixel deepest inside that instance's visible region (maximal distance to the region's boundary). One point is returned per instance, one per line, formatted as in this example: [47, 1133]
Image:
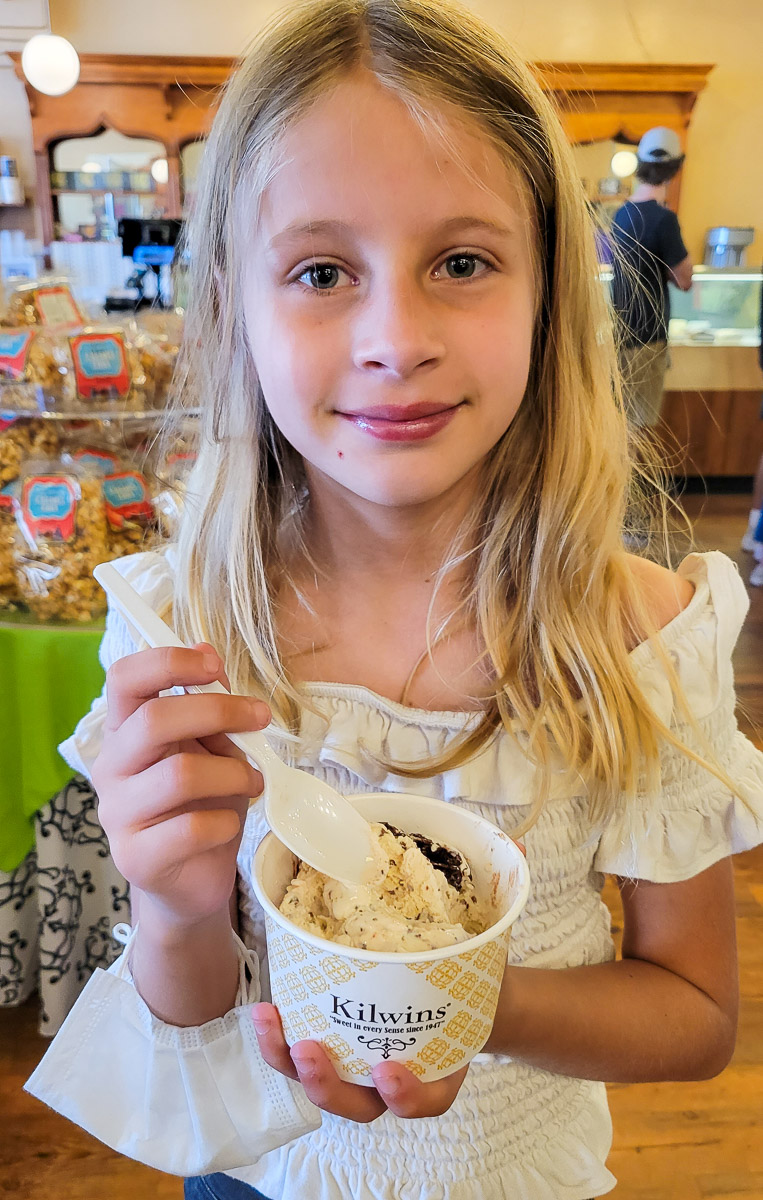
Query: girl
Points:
[403, 539]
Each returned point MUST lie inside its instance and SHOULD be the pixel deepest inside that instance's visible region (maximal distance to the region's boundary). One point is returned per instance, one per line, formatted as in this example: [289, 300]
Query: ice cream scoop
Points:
[424, 898]
[314, 820]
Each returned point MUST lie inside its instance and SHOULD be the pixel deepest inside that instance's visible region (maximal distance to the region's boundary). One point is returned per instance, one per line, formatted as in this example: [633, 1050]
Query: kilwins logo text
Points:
[358, 1013]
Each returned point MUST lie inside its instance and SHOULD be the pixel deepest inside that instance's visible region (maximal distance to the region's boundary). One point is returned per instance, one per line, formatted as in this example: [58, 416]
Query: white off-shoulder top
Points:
[513, 1131]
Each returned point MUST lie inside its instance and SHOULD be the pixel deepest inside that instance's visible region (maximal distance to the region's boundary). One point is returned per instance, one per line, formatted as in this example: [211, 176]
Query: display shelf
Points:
[92, 414]
[107, 191]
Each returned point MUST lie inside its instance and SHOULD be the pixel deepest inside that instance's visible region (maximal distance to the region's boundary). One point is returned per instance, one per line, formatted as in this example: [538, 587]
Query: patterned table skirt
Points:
[57, 909]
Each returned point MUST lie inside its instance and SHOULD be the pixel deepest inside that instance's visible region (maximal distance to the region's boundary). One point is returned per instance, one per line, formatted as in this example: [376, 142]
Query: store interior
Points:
[95, 186]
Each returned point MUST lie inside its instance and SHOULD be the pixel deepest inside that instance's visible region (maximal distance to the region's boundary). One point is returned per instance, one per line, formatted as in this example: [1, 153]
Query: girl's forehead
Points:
[360, 154]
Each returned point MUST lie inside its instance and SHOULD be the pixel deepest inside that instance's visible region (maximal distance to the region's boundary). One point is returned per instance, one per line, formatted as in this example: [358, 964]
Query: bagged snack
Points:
[47, 301]
[9, 592]
[106, 370]
[34, 365]
[22, 438]
[157, 358]
[61, 534]
[129, 512]
[93, 458]
[126, 496]
[173, 474]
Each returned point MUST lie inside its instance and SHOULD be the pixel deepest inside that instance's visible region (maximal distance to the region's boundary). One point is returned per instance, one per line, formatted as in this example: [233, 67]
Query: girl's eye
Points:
[322, 277]
[464, 266]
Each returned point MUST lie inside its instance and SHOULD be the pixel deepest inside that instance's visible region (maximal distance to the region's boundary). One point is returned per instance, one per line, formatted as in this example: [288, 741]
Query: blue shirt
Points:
[647, 241]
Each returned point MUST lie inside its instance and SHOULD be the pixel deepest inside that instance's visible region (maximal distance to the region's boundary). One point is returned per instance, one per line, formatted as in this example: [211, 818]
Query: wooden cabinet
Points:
[711, 410]
[717, 433]
[168, 100]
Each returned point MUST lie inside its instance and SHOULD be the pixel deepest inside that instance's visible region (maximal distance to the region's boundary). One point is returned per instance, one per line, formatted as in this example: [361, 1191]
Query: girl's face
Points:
[389, 298]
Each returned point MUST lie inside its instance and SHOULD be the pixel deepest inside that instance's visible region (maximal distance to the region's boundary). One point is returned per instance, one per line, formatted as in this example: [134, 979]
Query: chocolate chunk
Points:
[453, 865]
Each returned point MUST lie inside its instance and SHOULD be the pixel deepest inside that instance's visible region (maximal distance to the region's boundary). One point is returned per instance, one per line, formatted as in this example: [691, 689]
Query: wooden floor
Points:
[672, 1141]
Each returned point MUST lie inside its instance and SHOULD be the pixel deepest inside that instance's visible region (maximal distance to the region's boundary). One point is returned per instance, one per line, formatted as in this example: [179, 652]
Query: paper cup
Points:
[431, 1010]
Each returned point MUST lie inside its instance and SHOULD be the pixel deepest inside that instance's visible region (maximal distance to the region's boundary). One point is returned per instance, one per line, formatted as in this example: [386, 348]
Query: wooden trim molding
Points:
[172, 101]
[168, 100]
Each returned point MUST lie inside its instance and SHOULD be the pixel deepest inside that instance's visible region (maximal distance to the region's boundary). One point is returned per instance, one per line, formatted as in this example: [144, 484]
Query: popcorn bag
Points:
[9, 592]
[34, 369]
[129, 512]
[432, 1011]
[61, 534]
[22, 438]
[47, 301]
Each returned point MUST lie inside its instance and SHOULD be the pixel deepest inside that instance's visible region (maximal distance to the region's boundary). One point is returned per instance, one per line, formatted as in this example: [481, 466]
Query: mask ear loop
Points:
[248, 964]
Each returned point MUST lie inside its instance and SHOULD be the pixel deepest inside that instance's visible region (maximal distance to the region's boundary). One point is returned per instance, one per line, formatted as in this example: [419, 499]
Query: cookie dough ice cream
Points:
[424, 899]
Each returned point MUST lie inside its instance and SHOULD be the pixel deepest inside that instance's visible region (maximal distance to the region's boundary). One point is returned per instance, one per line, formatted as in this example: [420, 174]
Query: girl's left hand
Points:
[396, 1088]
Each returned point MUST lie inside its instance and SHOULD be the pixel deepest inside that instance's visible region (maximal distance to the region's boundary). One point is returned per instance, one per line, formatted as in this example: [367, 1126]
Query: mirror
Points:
[190, 161]
[605, 189]
[97, 180]
[606, 169]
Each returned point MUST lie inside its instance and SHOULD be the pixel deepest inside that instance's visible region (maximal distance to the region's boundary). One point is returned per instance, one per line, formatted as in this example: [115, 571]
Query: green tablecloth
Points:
[49, 676]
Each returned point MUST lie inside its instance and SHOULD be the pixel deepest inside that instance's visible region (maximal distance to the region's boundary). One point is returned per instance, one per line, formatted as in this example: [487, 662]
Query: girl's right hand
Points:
[172, 789]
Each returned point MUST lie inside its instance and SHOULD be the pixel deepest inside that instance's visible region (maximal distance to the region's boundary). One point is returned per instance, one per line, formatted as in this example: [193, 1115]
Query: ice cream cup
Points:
[431, 1010]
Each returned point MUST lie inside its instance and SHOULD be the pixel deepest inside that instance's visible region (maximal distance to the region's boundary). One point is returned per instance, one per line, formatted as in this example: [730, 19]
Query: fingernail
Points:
[390, 1085]
[211, 662]
[261, 1022]
[304, 1062]
[261, 711]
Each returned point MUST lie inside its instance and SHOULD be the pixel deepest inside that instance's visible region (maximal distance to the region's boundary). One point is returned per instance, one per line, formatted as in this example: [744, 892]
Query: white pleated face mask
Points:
[187, 1101]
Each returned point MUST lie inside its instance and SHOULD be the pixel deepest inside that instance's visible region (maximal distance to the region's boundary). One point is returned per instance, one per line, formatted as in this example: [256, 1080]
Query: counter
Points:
[711, 416]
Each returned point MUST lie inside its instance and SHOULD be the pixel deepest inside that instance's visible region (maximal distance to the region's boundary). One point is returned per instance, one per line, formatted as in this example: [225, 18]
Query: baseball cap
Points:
[659, 145]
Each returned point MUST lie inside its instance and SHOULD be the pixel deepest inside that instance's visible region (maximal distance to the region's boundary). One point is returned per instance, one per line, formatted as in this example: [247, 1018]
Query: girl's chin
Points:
[404, 489]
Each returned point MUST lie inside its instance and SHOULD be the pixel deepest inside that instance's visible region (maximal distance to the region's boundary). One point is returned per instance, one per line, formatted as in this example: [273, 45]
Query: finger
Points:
[272, 1043]
[407, 1096]
[157, 727]
[160, 850]
[220, 744]
[138, 677]
[182, 781]
[326, 1090]
[206, 648]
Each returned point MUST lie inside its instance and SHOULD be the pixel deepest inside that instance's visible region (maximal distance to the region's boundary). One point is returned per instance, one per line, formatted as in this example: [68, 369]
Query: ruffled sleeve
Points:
[150, 574]
[695, 820]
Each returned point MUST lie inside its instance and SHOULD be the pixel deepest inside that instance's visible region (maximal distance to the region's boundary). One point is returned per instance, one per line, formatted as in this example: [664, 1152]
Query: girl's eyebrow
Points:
[300, 229]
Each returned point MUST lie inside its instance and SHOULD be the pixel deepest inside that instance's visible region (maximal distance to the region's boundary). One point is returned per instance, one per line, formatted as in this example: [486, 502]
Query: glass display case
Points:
[722, 308]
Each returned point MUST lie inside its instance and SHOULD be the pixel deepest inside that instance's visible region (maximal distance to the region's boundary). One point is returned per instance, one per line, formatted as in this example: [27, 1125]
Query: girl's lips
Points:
[388, 423]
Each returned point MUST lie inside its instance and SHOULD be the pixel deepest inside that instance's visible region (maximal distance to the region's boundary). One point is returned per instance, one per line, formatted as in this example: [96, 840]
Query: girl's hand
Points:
[172, 789]
[396, 1088]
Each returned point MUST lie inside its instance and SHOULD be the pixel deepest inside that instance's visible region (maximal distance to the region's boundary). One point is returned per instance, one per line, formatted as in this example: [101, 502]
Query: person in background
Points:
[649, 252]
[753, 538]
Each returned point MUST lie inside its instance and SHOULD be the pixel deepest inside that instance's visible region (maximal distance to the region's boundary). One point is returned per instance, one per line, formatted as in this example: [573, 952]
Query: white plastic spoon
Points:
[314, 820]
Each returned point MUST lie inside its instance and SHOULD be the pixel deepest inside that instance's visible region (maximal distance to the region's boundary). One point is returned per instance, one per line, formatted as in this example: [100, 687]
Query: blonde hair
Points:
[550, 591]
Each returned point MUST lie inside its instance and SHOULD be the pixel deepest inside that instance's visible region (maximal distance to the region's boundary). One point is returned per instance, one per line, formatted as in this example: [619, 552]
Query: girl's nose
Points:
[397, 332]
